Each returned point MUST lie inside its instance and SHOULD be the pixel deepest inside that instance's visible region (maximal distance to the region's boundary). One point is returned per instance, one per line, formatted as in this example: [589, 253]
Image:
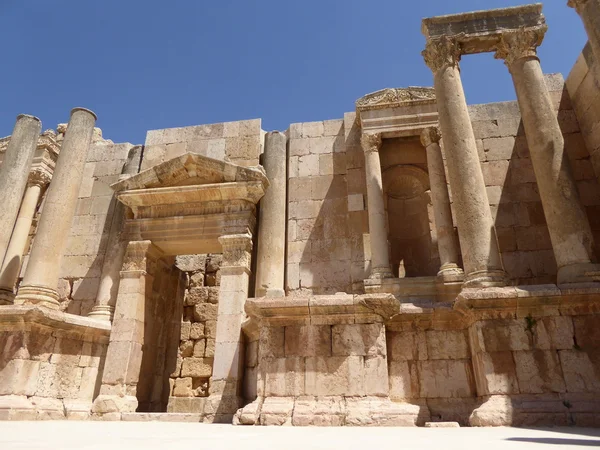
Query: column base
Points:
[578, 273]
[7, 297]
[450, 273]
[37, 295]
[485, 278]
[379, 273]
[102, 312]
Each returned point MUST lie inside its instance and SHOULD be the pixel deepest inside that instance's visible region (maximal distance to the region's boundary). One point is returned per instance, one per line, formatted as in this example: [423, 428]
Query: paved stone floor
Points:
[172, 436]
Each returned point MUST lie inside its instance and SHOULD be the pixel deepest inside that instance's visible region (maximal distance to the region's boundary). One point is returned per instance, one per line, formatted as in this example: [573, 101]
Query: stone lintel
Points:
[323, 309]
[31, 317]
[481, 31]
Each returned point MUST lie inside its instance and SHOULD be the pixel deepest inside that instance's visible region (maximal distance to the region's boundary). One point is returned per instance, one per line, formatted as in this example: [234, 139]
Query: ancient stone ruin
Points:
[419, 260]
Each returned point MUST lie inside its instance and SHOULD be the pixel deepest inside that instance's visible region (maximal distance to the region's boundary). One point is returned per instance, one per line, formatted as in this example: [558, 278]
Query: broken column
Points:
[271, 229]
[446, 239]
[568, 225]
[9, 273]
[40, 282]
[481, 258]
[14, 172]
[116, 248]
[380, 253]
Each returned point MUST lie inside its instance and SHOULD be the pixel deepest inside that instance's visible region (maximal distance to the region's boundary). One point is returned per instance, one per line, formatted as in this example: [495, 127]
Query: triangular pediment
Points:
[191, 169]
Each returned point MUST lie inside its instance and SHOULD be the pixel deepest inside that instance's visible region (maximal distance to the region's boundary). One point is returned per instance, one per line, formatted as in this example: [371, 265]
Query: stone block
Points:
[205, 311]
[308, 340]
[186, 349]
[333, 127]
[313, 129]
[447, 345]
[307, 209]
[185, 331]
[356, 202]
[210, 329]
[90, 383]
[538, 371]
[338, 375]
[299, 147]
[504, 335]
[358, 339]
[209, 352]
[581, 374]
[197, 367]
[199, 348]
[446, 378]
[499, 148]
[197, 331]
[587, 332]
[66, 352]
[308, 165]
[495, 172]
[499, 373]
[19, 377]
[228, 362]
[183, 387]
[284, 376]
[403, 384]
[376, 379]
[190, 263]
[407, 345]
[271, 342]
[300, 189]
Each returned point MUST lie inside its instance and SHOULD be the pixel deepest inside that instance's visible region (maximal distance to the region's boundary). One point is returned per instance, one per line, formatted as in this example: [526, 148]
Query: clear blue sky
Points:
[147, 64]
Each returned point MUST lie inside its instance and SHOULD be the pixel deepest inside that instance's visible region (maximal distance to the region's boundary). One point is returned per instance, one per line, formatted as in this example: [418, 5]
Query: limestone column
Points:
[40, 282]
[446, 239]
[14, 172]
[124, 355]
[225, 395]
[481, 258]
[271, 229]
[9, 273]
[568, 225]
[115, 250]
[589, 11]
[380, 252]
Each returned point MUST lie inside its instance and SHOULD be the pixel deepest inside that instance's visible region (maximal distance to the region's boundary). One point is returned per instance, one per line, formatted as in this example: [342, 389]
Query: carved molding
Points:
[518, 44]
[430, 135]
[237, 249]
[370, 142]
[39, 178]
[441, 53]
[387, 98]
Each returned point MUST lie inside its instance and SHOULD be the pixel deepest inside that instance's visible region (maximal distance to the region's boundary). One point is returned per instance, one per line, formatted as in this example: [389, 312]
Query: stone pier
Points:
[40, 282]
[446, 238]
[14, 172]
[271, 226]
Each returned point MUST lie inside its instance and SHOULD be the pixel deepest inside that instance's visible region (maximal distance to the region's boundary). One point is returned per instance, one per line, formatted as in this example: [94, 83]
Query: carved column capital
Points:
[441, 53]
[430, 135]
[577, 4]
[370, 142]
[141, 256]
[237, 249]
[518, 44]
[39, 178]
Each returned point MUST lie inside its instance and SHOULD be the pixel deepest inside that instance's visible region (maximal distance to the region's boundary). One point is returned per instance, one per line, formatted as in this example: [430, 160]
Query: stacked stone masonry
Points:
[416, 260]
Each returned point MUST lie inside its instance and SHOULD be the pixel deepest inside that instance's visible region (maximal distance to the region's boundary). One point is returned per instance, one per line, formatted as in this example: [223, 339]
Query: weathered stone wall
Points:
[190, 379]
[237, 142]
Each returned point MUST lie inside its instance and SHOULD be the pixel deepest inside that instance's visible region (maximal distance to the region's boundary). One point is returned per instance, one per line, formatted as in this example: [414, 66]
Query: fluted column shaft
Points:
[40, 282]
[477, 235]
[568, 225]
[446, 239]
[9, 273]
[589, 11]
[380, 253]
[115, 250]
[14, 172]
[270, 258]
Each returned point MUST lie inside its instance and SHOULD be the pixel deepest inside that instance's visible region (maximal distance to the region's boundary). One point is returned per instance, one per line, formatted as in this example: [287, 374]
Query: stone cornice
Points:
[370, 142]
[430, 136]
[522, 43]
[441, 53]
[393, 97]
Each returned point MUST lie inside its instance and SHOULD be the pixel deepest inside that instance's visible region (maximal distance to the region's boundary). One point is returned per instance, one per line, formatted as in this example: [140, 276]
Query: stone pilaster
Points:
[570, 233]
[446, 238]
[481, 258]
[380, 253]
[225, 386]
[115, 252]
[41, 277]
[589, 12]
[14, 171]
[124, 356]
[271, 229]
[9, 273]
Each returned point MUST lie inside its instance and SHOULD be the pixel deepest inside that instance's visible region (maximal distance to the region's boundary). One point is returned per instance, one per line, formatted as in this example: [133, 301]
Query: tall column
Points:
[124, 355]
[476, 232]
[570, 233]
[380, 252]
[41, 277]
[225, 387]
[589, 11]
[446, 239]
[14, 172]
[115, 250]
[9, 273]
[271, 229]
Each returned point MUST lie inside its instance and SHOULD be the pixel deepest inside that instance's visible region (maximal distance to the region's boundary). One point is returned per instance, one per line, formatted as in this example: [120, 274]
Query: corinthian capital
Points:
[430, 135]
[370, 142]
[577, 4]
[38, 178]
[440, 53]
[518, 44]
[237, 249]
